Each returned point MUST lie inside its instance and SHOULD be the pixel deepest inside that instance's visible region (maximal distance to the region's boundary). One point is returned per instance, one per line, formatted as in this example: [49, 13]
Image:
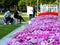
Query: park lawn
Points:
[26, 19]
[4, 12]
[24, 15]
[6, 29]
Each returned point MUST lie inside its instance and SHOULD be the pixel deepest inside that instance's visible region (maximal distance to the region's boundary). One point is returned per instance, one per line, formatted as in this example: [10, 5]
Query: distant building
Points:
[48, 8]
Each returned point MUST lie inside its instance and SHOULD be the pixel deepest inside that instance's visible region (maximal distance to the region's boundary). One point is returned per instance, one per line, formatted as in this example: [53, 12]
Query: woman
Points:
[17, 16]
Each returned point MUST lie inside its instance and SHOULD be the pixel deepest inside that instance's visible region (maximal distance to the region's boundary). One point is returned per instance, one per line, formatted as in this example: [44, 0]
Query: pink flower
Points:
[43, 30]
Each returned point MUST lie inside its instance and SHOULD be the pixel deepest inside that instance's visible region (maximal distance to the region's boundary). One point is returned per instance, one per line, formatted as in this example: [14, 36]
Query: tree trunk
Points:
[26, 3]
[59, 10]
[37, 7]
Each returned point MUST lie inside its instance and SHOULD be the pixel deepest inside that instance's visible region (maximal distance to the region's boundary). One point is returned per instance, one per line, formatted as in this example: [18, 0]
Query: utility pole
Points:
[26, 3]
[37, 7]
[59, 10]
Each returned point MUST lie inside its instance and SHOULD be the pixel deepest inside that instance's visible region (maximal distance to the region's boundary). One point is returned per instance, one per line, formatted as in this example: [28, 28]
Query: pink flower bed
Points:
[43, 30]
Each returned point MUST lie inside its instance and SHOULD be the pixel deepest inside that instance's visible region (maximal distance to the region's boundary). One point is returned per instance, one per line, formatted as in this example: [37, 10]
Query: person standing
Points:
[30, 12]
[33, 11]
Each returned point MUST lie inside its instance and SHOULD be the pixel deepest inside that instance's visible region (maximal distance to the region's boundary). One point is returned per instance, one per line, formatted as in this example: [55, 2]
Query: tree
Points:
[28, 2]
[2, 2]
[47, 1]
[25, 3]
[32, 2]
[8, 3]
[21, 3]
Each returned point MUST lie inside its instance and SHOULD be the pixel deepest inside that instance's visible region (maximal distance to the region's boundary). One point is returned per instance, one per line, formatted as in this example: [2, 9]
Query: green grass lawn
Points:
[4, 12]
[26, 18]
[5, 29]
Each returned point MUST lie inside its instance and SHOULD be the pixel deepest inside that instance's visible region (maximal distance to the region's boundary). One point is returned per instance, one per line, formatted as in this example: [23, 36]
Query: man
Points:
[33, 11]
[7, 17]
[30, 11]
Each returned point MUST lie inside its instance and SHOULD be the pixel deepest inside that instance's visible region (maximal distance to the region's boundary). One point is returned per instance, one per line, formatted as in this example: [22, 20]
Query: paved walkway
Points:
[7, 38]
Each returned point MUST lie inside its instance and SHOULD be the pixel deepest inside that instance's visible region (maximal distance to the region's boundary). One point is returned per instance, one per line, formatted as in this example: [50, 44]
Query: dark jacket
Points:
[16, 14]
